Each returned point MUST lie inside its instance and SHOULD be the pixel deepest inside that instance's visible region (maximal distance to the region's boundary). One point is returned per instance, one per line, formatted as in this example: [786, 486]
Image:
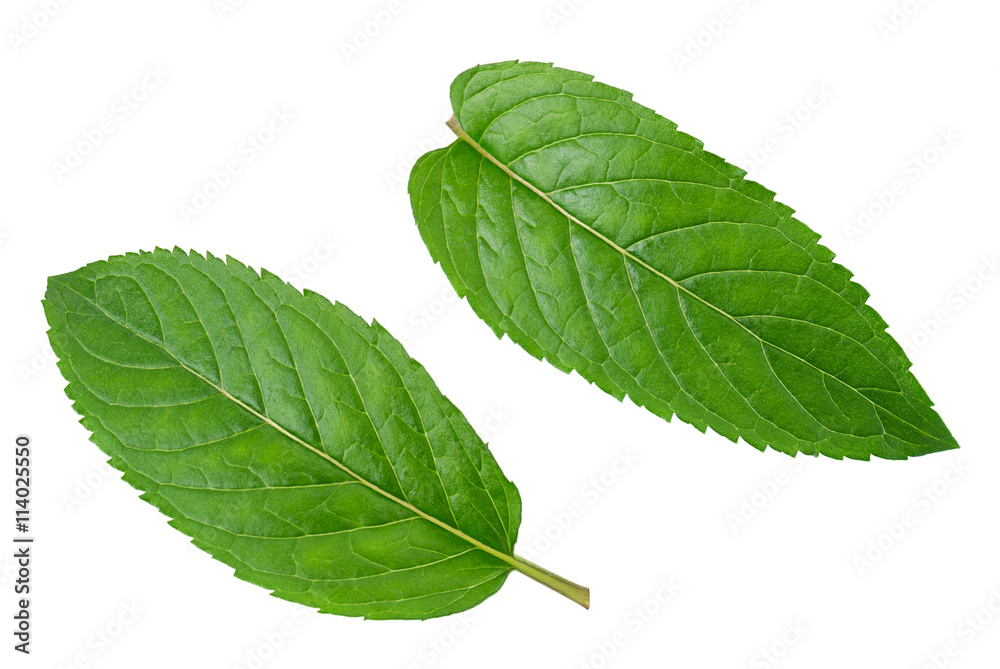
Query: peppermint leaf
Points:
[289, 438]
[596, 236]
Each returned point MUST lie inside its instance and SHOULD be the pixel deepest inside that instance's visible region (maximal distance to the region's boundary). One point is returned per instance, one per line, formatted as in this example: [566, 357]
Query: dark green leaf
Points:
[290, 439]
[596, 236]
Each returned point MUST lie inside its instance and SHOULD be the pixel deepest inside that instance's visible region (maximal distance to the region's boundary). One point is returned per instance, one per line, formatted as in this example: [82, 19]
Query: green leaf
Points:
[596, 236]
[290, 439]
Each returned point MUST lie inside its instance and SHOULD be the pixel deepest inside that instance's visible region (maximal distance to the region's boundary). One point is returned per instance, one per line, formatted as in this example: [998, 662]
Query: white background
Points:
[335, 177]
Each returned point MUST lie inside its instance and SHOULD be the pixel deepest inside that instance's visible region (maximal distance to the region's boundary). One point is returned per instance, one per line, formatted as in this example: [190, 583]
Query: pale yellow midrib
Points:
[461, 134]
[513, 562]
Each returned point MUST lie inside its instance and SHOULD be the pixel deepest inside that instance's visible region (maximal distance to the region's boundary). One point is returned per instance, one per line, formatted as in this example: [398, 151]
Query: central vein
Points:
[456, 127]
[577, 593]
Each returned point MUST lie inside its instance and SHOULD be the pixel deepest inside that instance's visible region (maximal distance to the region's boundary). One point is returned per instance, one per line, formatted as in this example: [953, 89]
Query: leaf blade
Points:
[734, 294]
[290, 439]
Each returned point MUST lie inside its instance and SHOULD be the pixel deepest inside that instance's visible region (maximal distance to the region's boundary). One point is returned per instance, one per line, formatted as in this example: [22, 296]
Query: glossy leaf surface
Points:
[598, 237]
[289, 438]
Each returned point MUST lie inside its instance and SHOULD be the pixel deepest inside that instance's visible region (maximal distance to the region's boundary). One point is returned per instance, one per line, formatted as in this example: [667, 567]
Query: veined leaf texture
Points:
[286, 436]
[598, 237]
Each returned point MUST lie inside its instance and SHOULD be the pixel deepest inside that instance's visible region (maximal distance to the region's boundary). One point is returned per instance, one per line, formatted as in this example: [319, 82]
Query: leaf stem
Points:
[574, 592]
[454, 126]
